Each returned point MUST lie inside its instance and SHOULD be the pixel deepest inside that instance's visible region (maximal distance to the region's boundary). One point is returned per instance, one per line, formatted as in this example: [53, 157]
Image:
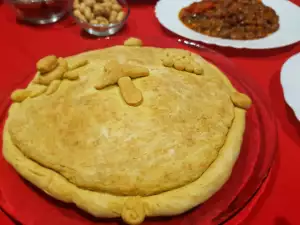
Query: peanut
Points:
[82, 7]
[98, 9]
[94, 21]
[76, 4]
[47, 64]
[107, 5]
[53, 87]
[131, 95]
[92, 17]
[20, 95]
[89, 3]
[106, 12]
[102, 20]
[121, 16]
[116, 7]
[87, 12]
[113, 16]
[79, 15]
[101, 9]
[133, 42]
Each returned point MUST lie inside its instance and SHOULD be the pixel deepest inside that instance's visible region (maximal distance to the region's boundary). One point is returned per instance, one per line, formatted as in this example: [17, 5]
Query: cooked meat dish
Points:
[231, 19]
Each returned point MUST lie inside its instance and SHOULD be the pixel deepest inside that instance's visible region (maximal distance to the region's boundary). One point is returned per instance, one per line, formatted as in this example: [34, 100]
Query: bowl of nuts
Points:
[100, 17]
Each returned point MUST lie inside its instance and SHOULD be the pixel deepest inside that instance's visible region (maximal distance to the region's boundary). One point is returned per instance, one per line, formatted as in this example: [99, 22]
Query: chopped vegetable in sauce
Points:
[231, 19]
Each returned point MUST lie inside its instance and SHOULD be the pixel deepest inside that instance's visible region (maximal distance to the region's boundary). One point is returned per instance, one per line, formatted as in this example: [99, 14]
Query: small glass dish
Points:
[40, 11]
[102, 30]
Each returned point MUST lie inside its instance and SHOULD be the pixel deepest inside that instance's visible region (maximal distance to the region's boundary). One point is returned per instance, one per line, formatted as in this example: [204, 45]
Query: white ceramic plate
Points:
[289, 32]
[290, 81]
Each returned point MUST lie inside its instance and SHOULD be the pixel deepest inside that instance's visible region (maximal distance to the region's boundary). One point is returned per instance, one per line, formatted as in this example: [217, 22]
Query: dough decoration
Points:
[77, 64]
[71, 75]
[133, 42]
[131, 95]
[133, 211]
[114, 71]
[51, 70]
[241, 100]
[53, 87]
[168, 62]
[31, 91]
[134, 71]
[47, 64]
[20, 95]
[181, 60]
[36, 90]
[61, 71]
[55, 74]
[74, 69]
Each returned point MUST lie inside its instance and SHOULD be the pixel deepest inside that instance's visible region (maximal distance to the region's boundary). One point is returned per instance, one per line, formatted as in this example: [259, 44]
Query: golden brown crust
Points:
[99, 204]
[161, 158]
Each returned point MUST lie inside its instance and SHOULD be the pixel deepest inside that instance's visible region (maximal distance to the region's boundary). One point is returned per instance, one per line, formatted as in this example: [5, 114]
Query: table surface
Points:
[278, 204]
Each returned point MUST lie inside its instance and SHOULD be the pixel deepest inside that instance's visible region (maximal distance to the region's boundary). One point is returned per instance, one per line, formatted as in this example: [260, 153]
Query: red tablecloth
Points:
[4, 220]
[279, 204]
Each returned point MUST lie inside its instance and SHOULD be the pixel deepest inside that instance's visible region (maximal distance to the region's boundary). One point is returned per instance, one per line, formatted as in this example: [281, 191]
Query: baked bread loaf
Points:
[127, 131]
